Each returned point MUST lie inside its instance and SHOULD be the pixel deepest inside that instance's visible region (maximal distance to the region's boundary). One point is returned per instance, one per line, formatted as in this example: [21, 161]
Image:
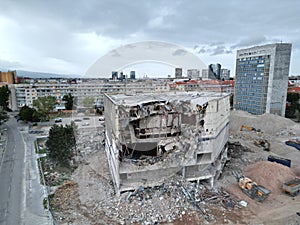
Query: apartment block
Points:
[26, 93]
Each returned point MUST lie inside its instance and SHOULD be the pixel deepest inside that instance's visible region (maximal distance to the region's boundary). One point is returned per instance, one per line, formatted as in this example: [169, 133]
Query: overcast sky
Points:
[68, 36]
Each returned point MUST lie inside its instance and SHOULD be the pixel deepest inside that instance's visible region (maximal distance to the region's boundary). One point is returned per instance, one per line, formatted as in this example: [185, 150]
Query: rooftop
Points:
[132, 100]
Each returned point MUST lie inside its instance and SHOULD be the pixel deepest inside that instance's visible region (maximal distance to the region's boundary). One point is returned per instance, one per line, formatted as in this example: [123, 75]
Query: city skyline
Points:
[68, 37]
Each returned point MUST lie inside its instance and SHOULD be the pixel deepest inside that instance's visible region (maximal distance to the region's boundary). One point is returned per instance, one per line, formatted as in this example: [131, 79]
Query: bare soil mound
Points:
[63, 195]
[270, 175]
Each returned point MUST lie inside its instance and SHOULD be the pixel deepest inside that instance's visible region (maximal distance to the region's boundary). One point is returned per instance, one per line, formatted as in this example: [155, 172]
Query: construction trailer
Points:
[151, 137]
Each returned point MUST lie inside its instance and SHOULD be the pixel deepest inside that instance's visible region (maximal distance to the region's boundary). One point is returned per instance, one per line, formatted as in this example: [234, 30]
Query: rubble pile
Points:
[64, 195]
[88, 141]
[166, 203]
[174, 200]
[269, 174]
[236, 153]
[90, 198]
[54, 178]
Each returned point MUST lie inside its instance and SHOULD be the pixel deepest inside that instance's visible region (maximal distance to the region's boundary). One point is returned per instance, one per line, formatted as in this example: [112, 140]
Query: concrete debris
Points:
[92, 199]
[167, 202]
[243, 203]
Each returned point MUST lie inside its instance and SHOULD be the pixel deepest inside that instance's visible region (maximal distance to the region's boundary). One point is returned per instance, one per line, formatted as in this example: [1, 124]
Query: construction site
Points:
[181, 159]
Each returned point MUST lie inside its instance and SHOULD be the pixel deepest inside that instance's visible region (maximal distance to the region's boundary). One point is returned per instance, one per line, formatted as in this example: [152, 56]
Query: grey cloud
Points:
[215, 50]
[115, 53]
[49, 26]
[179, 52]
[216, 43]
[107, 17]
[9, 64]
[202, 50]
[218, 23]
[250, 41]
[220, 50]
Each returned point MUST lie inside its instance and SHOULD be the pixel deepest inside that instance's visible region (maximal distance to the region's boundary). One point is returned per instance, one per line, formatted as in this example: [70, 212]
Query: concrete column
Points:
[212, 182]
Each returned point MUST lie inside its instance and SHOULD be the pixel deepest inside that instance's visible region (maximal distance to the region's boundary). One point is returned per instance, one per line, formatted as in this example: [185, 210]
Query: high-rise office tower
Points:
[204, 74]
[225, 74]
[114, 75]
[132, 74]
[178, 73]
[214, 71]
[261, 78]
[193, 74]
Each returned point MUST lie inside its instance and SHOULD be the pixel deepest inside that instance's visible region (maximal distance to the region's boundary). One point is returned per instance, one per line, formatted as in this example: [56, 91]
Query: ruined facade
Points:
[151, 137]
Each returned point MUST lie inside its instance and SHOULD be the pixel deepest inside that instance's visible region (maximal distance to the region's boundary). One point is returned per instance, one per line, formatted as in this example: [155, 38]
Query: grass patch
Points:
[42, 151]
[40, 163]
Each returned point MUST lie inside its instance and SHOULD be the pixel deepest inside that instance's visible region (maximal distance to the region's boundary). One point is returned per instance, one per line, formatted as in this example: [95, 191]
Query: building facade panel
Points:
[262, 78]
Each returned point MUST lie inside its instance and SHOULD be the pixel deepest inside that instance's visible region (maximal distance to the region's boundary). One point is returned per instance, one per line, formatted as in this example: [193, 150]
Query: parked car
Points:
[36, 131]
[58, 120]
[101, 118]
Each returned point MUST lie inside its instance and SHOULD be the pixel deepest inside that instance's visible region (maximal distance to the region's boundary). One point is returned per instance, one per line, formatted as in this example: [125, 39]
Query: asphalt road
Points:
[12, 187]
[21, 194]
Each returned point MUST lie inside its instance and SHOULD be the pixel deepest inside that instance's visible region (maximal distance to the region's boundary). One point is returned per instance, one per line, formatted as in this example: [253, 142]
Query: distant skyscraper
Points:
[114, 75]
[214, 71]
[204, 74]
[132, 74]
[122, 76]
[193, 74]
[225, 74]
[262, 78]
[178, 73]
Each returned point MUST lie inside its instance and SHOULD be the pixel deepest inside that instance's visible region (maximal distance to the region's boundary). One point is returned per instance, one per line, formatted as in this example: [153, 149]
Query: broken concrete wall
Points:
[185, 134]
[111, 139]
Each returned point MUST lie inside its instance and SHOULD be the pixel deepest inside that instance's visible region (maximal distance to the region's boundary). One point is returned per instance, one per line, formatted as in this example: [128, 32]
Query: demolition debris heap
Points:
[151, 137]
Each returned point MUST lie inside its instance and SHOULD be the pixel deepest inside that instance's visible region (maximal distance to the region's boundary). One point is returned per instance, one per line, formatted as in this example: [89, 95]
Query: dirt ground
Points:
[89, 198]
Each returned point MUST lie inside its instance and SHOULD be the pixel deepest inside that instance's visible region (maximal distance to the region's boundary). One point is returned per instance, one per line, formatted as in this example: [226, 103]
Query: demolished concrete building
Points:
[151, 137]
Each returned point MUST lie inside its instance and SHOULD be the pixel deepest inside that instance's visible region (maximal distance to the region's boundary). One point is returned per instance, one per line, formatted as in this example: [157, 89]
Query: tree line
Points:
[4, 102]
[42, 108]
[293, 107]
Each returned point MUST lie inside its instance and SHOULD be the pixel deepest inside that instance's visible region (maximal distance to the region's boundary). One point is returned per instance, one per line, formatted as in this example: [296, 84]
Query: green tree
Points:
[88, 102]
[297, 114]
[61, 143]
[293, 97]
[4, 97]
[26, 113]
[231, 101]
[3, 117]
[43, 106]
[69, 101]
[293, 106]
